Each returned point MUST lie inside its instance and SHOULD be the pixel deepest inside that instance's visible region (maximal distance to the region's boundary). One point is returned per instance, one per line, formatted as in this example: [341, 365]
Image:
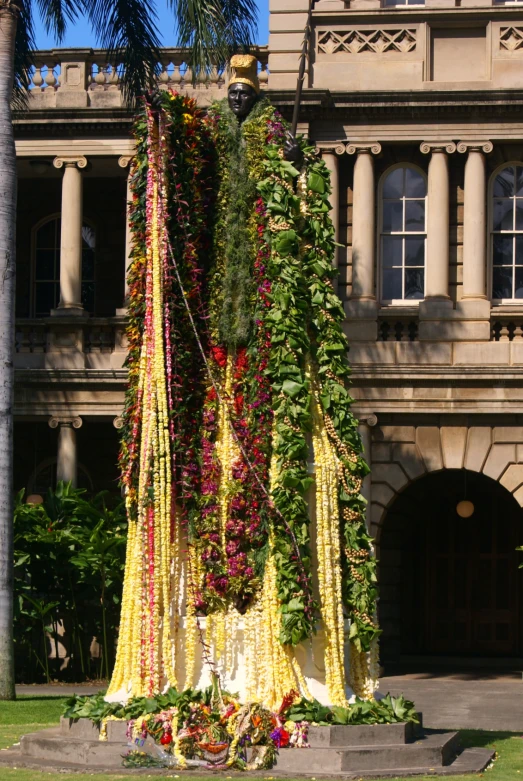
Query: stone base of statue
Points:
[380, 750]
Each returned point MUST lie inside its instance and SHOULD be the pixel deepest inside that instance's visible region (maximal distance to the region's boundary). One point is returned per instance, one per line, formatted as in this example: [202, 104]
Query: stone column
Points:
[71, 237]
[66, 460]
[125, 162]
[474, 307]
[437, 304]
[475, 220]
[362, 307]
[330, 158]
[437, 260]
[366, 422]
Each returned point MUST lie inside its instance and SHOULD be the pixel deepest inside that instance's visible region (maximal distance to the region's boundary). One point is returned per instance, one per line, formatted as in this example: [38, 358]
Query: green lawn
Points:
[29, 714]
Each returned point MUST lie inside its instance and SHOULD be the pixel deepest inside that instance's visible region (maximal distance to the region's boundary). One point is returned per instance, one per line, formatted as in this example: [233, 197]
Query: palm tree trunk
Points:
[9, 10]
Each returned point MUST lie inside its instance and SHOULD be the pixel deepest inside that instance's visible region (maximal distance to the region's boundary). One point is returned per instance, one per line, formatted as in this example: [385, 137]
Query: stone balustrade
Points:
[507, 328]
[70, 342]
[398, 327]
[79, 78]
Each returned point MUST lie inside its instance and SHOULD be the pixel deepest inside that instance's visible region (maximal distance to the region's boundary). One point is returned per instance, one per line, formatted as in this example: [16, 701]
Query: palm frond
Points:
[214, 29]
[128, 30]
[23, 60]
[55, 15]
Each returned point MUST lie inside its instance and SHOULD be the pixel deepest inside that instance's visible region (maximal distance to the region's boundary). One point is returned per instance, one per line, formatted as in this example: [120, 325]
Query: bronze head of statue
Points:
[241, 98]
[243, 93]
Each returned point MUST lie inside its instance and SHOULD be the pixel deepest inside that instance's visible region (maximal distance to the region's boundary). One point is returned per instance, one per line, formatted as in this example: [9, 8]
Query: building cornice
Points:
[321, 105]
[73, 376]
[420, 13]
[317, 104]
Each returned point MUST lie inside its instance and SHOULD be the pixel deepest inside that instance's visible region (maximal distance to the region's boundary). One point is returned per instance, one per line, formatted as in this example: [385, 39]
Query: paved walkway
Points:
[58, 689]
[473, 700]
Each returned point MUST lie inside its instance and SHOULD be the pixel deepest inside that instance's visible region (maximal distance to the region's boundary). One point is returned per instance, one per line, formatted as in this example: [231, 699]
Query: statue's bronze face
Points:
[242, 98]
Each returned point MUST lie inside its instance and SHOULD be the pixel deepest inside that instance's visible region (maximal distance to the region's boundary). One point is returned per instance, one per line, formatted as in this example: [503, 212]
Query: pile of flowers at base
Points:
[212, 729]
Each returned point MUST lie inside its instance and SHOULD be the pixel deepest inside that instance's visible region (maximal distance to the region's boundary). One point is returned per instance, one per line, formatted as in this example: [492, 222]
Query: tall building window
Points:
[396, 3]
[507, 234]
[47, 267]
[403, 235]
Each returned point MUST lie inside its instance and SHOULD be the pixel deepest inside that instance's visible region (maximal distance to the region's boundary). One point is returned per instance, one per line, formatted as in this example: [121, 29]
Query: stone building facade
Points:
[417, 110]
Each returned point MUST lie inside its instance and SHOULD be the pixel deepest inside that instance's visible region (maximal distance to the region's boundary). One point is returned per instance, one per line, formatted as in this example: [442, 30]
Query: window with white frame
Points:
[403, 235]
[396, 3]
[507, 234]
[46, 291]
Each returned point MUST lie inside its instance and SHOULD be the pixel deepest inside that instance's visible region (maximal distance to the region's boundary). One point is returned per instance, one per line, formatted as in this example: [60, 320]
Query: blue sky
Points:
[81, 35]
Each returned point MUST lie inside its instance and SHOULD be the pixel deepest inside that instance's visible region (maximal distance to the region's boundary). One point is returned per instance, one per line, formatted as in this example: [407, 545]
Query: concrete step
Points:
[470, 761]
[84, 729]
[434, 755]
[430, 751]
[361, 735]
[319, 737]
[52, 745]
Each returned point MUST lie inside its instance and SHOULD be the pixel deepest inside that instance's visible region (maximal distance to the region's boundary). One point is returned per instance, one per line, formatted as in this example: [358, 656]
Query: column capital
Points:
[328, 148]
[437, 146]
[125, 161]
[364, 147]
[118, 422]
[368, 418]
[70, 161]
[73, 421]
[475, 146]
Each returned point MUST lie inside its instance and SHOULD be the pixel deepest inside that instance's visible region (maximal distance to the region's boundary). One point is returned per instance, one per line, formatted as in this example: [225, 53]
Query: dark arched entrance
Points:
[451, 587]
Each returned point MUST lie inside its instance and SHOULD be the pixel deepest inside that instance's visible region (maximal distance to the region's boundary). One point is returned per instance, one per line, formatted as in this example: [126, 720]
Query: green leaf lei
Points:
[300, 234]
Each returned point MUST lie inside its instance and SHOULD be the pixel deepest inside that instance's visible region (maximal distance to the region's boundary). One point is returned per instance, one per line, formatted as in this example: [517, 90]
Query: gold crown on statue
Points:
[244, 69]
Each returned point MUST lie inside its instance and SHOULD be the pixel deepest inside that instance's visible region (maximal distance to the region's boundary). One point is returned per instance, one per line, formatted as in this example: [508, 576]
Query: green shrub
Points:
[68, 567]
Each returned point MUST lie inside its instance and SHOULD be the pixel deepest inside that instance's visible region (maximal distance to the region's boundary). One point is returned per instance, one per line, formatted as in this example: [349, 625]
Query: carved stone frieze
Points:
[357, 41]
[511, 38]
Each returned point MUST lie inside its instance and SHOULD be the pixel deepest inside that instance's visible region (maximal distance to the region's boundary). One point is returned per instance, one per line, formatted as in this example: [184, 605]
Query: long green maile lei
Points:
[290, 345]
[232, 289]
[302, 254]
[329, 349]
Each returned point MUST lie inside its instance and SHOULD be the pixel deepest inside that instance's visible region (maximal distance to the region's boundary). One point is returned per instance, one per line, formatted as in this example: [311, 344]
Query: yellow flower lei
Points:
[329, 553]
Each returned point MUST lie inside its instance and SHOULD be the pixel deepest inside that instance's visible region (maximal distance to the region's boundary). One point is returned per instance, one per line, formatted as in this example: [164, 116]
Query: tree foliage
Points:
[211, 30]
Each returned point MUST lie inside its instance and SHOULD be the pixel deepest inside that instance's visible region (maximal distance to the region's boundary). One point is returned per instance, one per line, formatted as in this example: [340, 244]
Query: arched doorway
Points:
[450, 586]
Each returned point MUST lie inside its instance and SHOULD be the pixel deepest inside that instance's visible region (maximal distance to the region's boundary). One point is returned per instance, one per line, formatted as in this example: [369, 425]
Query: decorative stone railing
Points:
[397, 327]
[506, 328]
[31, 336]
[78, 78]
[67, 342]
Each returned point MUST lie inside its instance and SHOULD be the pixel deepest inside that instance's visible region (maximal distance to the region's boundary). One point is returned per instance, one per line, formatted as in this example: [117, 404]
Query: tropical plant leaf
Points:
[128, 30]
[212, 30]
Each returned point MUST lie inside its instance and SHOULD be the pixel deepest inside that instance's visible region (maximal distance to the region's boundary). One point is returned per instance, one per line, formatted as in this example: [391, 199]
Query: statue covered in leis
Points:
[248, 553]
